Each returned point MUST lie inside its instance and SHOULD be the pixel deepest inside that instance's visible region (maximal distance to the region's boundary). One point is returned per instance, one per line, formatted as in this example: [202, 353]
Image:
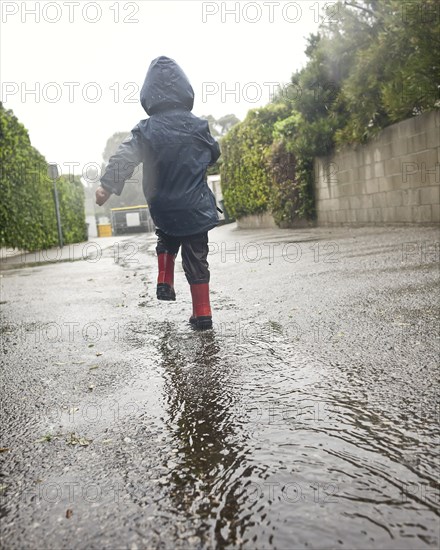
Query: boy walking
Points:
[175, 148]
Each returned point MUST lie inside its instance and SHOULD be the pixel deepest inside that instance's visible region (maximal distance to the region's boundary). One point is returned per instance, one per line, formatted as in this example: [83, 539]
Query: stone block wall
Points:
[395, 178]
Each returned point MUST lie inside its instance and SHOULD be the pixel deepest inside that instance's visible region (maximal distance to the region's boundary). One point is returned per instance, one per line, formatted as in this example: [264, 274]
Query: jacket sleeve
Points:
[212, 143]
[122, 164]
[215, 150]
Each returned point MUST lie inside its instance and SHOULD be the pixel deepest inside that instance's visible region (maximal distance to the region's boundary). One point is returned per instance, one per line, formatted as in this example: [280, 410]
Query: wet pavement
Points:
[306, 419]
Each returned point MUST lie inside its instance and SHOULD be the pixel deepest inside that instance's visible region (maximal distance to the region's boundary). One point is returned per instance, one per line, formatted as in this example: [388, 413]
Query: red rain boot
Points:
[202, 317]
[165, 278]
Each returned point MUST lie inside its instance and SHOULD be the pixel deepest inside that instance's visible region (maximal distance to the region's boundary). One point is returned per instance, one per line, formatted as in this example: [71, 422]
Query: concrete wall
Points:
[395, 178]
[257, 221]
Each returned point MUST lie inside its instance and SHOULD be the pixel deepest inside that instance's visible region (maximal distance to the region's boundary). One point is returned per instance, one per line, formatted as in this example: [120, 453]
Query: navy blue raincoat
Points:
[175, 148]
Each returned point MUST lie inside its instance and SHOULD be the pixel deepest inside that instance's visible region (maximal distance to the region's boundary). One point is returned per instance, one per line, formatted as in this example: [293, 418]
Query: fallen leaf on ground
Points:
[69, 513]
[74, 439]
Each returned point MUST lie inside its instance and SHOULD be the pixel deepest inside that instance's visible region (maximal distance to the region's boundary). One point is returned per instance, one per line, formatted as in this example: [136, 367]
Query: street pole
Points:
[53, 174]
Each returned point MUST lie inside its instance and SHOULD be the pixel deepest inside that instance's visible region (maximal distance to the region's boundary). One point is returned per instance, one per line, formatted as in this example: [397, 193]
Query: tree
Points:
[220, 127]
[394, 64]
[372, 63]
[213, 126]
[226, 122]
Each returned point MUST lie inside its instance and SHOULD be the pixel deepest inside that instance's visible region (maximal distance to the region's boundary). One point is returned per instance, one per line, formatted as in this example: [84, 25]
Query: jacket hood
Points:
[166, 87]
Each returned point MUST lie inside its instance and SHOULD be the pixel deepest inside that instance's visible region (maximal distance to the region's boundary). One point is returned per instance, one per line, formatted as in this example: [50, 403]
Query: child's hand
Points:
[102, 195]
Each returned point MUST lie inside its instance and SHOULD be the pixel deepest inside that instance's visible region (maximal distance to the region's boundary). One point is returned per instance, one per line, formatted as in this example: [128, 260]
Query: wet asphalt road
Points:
[307, 419]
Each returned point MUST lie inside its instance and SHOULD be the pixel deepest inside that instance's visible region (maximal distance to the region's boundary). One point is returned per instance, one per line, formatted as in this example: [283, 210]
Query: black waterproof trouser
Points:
[194, 254]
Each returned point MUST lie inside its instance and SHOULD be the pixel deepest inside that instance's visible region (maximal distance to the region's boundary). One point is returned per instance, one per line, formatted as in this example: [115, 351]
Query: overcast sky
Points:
[73, 77]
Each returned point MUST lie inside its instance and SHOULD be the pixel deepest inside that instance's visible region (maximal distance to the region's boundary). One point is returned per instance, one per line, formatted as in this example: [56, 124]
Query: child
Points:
[175, 148]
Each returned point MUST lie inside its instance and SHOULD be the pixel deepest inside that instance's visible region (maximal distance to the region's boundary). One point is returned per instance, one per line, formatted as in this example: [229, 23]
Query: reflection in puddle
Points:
[268, 448]
[199, 393]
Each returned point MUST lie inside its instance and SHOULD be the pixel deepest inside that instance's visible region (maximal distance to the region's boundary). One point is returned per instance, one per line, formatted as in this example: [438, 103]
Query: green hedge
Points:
[373, 63]
[245, 171]
[27, 211]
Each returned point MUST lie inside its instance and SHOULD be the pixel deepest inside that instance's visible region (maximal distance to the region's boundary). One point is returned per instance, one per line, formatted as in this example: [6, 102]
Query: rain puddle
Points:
[261, 446]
